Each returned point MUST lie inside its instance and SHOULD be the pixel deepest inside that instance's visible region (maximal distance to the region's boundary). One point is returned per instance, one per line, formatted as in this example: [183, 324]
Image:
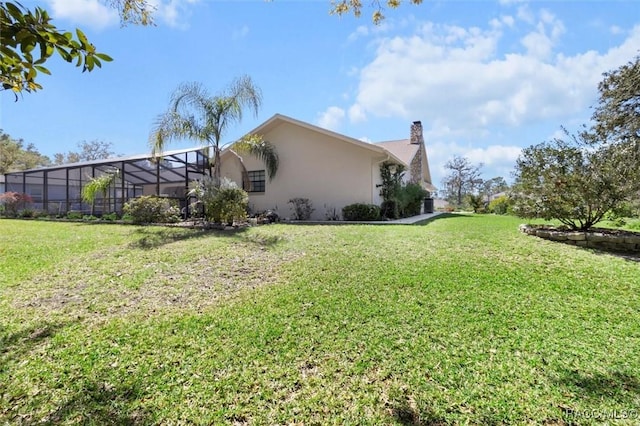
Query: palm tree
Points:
[195, 114]
[99, 185]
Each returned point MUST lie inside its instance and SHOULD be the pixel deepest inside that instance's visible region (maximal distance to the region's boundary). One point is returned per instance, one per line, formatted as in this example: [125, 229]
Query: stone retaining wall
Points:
[601, 240]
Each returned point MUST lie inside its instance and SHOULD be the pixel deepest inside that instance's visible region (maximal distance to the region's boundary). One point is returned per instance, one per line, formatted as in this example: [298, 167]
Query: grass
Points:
[463, 320]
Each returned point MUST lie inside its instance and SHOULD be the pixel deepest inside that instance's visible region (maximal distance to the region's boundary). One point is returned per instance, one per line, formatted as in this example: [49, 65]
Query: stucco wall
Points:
[331, 173]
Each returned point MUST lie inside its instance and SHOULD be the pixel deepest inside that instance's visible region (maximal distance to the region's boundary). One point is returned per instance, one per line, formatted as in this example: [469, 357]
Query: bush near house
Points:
[361, 211]
[152, 209]
[13, 202]
[228, 205]
[411, 196]
[302, 208]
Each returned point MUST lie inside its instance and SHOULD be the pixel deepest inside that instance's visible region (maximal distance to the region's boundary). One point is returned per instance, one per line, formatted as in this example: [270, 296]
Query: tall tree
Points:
[617, 116]
[29, 39]
[15, 156]
[88, 151]
[463, 179]
[195, 114]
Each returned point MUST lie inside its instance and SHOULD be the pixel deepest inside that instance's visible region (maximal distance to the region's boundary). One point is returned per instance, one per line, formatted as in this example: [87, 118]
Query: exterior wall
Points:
[331, 173]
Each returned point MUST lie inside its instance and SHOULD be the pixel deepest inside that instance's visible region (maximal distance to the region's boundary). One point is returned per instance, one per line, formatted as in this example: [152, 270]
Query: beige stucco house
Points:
[330, 169]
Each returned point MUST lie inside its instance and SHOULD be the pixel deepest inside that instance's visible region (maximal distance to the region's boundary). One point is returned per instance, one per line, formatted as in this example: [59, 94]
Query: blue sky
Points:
[485, 78]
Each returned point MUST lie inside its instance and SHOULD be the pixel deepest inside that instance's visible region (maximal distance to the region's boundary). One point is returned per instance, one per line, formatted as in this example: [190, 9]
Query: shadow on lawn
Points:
[96, 402]
[102, 403]
[154, 237]
[17, 345]
[613, 387]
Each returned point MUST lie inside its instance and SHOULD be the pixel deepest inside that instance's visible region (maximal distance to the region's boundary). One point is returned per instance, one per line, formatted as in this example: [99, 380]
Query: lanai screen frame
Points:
[138, 175]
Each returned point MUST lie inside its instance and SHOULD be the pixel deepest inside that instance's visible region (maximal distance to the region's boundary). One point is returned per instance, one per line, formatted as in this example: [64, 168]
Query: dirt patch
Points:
[103, 290]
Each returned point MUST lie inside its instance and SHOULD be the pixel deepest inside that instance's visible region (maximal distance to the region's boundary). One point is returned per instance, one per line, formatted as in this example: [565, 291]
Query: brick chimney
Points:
[416, 133]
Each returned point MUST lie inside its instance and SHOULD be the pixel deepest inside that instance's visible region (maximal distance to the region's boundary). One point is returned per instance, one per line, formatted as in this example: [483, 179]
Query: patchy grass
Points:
[463, 320]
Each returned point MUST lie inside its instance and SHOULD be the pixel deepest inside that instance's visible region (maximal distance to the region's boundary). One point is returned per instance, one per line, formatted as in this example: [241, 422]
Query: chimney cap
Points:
[417, 122]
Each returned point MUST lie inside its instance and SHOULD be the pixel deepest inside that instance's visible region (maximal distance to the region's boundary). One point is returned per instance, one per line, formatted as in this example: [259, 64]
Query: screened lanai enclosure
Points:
[58, 189]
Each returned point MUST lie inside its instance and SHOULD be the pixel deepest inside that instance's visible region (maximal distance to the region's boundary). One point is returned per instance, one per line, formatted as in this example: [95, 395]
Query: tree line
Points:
[16, 155]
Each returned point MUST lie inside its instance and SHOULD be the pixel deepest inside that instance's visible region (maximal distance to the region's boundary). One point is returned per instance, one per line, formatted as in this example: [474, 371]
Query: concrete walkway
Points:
[413, 220]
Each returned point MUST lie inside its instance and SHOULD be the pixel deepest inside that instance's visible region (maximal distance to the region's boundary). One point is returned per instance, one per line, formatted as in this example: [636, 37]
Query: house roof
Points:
[403, 149]
[279, 119]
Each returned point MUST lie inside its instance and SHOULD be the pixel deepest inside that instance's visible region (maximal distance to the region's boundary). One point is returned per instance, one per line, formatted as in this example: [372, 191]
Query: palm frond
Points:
[264, 150]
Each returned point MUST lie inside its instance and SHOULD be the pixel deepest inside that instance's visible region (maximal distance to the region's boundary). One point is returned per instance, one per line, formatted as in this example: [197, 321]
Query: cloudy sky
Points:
[485, 78]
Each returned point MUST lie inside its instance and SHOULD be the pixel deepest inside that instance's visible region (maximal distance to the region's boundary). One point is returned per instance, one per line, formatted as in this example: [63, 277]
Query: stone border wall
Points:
[609, 241]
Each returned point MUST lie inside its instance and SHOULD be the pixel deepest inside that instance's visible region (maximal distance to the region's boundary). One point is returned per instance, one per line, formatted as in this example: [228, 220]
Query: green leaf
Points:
[82, 37]
[15, 12]
[42, 69]
[65, 55]
[104, 57]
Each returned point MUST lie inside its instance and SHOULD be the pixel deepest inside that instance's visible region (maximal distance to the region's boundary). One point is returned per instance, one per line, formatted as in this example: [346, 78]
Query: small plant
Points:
[28, 213]
[332, 213]
[89, 218]
[110, 216]
[361, 211]
[500, 205]
[74, 215]
[152, 209]
[302, 208]
[12, 202]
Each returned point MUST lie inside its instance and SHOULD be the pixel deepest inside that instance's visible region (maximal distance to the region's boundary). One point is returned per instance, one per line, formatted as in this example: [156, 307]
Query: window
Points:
[256, 181]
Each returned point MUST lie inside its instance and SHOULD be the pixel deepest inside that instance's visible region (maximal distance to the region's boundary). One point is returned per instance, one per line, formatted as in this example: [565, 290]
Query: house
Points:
[329, 169]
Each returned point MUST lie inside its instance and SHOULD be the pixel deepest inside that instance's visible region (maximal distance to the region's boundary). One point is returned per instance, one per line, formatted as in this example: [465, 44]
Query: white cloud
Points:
[174, 13]
[494, 155]
[89, 13]
[454, 78]
[332, 118]
[356, 114]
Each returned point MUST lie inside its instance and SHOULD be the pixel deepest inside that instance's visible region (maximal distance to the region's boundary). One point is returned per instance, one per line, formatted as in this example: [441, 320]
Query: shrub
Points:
[89, 217]
[221, 203]
[152, 209]
[228, 205]
[500, 205]
[14, 201]
[360, 211]
[476, 203]
[389, 209]
[302, 208]
[410, 197]
[110, 216]
[75, 215]
[28, 213]
[576, 182]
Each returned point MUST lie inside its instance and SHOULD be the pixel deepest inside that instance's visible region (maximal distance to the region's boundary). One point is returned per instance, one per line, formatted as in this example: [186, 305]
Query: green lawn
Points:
[462, 320]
